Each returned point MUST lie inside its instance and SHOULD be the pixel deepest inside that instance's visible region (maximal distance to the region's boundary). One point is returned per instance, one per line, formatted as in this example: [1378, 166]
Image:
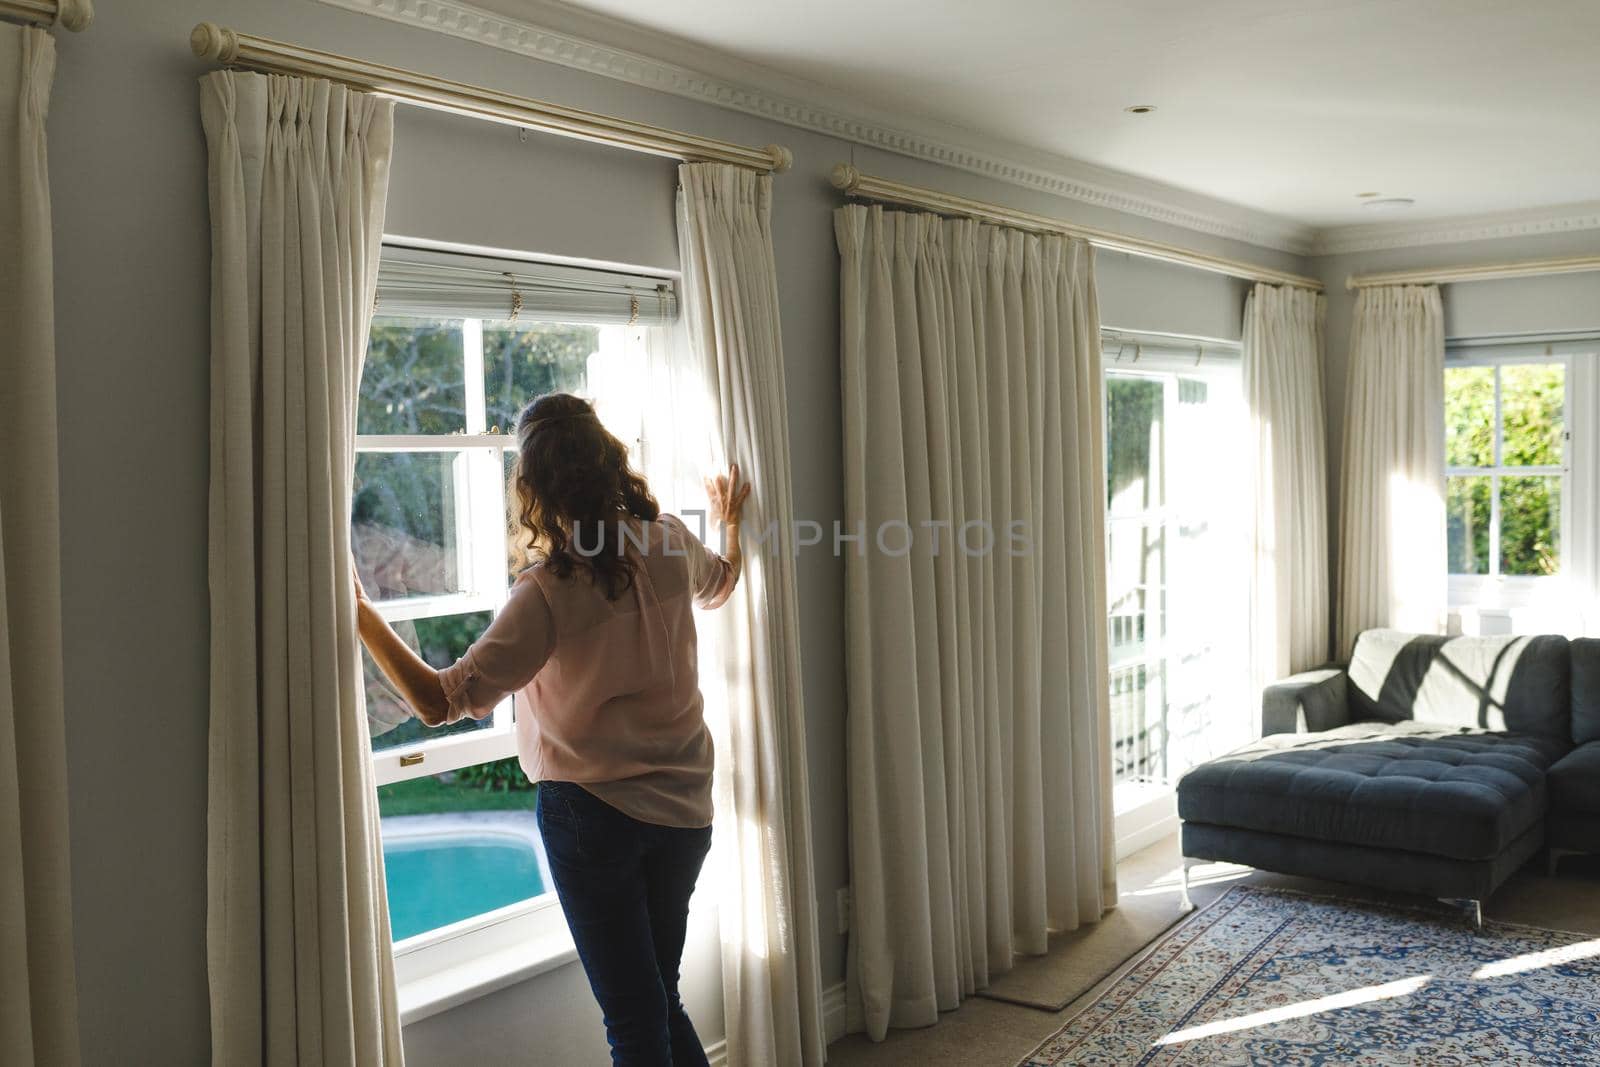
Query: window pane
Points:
[1133, 444]
[522, 362]
[413, 379]
[1138, 722]
[1532, 412]
[1469, 416]
[440, 642]
[1467, 521]
[404, 524]
[1530, 525]
[459, 844]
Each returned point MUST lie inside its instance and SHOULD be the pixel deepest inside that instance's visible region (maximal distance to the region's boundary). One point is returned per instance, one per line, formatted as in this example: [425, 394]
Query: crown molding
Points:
[1533, 222]
[725, 81]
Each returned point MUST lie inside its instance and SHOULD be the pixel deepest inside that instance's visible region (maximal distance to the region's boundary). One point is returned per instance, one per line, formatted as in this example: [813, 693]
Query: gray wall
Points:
[1546, 304]
[132, 251]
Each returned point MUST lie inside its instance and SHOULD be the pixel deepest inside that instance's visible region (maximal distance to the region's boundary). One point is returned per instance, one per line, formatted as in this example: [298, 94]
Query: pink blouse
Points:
[608, 691]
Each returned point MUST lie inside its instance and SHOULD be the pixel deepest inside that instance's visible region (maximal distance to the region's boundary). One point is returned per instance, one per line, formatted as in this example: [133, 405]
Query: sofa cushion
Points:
[1575, 782]
[1517, 684]
[1409, 786]
[1585, 690]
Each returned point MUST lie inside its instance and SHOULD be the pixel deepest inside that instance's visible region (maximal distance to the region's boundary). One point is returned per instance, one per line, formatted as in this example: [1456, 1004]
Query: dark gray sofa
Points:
[1428, 765]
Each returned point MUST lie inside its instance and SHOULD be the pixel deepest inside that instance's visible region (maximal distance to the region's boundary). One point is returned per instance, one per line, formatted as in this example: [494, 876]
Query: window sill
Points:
[425, 995]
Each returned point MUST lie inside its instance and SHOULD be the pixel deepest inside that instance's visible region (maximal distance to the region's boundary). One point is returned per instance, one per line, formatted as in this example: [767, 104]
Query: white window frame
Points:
[1495, 591]
[479, 483]
[444, 967]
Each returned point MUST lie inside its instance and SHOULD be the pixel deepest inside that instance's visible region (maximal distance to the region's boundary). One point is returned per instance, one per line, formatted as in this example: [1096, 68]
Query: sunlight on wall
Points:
[1417, 584]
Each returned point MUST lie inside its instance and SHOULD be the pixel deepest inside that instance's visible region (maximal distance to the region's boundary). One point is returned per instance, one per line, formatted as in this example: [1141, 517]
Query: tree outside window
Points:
[1505, 445]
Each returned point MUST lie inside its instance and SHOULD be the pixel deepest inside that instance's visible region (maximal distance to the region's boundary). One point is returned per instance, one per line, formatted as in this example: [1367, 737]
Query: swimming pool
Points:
[436, 879]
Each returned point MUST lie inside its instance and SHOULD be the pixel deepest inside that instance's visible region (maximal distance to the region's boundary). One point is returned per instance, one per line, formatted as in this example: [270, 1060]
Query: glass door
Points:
[1177, 581]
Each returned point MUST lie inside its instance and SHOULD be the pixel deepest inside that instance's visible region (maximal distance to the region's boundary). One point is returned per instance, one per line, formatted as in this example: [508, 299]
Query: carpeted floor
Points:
[1274, 976]
[990, 1033]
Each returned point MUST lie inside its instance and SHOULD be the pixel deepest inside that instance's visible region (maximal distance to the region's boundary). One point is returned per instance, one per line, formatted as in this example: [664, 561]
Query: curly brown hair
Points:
[572, 491]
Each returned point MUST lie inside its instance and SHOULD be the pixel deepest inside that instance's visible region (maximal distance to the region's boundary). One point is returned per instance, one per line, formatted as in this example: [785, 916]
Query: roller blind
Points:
[426, 284]
[1132, 350]
[1522, 346]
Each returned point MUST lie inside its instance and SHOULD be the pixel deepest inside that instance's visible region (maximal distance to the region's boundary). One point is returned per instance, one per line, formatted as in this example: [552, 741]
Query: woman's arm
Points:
[417, 682]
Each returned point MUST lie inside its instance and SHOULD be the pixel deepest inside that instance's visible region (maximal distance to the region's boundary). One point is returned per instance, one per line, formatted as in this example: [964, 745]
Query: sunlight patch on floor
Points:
[1533, 961]
[1364, 995]
[1203, 875]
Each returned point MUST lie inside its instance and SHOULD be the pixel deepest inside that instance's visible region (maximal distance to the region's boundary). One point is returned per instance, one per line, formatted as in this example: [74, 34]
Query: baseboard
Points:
[1146, 836]
[717, 1053]
[834, 1016]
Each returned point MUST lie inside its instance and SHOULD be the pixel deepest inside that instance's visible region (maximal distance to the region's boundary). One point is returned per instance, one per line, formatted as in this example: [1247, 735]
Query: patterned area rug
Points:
[1268, 976]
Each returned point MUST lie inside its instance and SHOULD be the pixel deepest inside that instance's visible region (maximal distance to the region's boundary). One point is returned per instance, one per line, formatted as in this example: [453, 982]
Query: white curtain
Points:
[979, 748]
[772, 989]
[1392, 532]
[38, 997]
[1282, 377]
[298, 930]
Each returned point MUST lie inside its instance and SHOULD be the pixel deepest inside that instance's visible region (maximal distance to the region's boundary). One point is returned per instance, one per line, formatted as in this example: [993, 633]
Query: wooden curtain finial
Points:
[210, 41]
[74, 15]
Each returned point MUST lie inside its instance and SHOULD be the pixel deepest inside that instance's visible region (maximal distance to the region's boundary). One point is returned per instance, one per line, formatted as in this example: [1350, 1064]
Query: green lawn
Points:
[427, 796]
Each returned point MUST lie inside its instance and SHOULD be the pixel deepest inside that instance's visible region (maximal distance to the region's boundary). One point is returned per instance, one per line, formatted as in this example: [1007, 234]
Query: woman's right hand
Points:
[728, 492]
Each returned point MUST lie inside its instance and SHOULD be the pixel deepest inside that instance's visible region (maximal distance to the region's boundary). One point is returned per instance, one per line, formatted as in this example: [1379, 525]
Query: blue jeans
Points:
[624, 886]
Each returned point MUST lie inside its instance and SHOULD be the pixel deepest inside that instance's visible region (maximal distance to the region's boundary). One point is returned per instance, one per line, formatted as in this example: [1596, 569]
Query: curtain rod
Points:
[1487, 272]
[234, 49]
[853, 183]
[74, 15]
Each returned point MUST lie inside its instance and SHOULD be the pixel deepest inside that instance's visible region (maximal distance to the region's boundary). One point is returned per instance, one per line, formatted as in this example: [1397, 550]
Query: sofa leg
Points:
[1183, 884]
[1474, 909]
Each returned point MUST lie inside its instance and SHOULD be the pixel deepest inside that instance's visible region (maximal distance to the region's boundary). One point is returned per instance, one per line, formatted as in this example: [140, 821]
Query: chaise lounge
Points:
[1429, 765]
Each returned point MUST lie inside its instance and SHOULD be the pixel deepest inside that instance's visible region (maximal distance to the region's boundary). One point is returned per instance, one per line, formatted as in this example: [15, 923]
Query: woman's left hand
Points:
[727, 493]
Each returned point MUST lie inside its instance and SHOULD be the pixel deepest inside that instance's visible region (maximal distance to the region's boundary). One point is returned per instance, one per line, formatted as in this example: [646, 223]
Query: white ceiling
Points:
[1287, 106]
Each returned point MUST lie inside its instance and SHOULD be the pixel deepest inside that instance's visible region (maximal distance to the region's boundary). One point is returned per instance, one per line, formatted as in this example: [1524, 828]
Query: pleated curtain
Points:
[1289, 578]
[297, 931]
[38, 994]
[772, 989]
[1392, 557]
[978, 734]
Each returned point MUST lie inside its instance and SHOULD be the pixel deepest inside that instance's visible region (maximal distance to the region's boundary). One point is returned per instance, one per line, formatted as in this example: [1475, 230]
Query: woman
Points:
[598, 641]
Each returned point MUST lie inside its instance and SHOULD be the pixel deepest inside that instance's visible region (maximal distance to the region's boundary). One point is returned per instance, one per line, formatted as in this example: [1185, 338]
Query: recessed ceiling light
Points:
[1140, 109]
[1389, 203]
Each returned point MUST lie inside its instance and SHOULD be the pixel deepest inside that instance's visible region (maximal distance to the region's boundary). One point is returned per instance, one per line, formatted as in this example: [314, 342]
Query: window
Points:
[1176, 566]
[1505, 456]
[458, 346]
